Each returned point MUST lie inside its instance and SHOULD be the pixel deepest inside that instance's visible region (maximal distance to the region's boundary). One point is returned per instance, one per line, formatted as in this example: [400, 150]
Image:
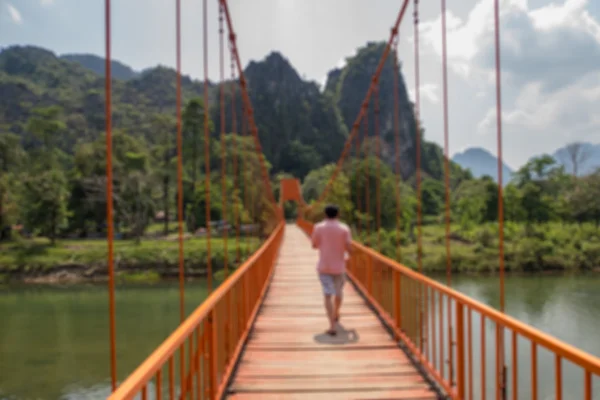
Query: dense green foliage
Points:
[552, 219]
[53, 164]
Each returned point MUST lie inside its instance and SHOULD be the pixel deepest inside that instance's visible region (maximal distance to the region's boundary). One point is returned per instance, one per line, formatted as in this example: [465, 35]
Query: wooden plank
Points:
[289, 356]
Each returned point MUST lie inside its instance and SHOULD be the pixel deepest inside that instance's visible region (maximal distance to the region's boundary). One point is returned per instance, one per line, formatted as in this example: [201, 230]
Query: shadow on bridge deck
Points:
[288, 355]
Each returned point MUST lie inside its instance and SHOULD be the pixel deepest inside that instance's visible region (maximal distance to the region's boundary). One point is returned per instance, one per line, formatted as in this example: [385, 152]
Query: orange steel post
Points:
[109, 200]
[515, 376]
[460, 350]
[180, 185]
[483, 359]
[362, 112]
[588, 385]
[470, 351]
[534, 388]
[558, 377]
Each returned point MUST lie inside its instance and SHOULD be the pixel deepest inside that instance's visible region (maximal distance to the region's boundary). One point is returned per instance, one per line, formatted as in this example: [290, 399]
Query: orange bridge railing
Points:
[447, 332]
[210, 339]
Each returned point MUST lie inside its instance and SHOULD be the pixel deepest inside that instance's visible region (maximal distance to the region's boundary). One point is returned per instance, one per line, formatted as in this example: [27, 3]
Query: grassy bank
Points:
[542, 247]
[88, 257]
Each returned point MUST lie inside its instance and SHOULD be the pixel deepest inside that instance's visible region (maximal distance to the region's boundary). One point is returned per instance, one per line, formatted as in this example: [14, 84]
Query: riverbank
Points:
[542, 248]
[70, 261]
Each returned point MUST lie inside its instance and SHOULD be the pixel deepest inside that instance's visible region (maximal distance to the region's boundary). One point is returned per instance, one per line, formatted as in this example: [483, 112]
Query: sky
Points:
[550, 54]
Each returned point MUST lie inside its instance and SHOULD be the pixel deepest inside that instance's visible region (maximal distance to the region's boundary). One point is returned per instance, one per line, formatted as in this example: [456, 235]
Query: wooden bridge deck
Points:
[289, 356]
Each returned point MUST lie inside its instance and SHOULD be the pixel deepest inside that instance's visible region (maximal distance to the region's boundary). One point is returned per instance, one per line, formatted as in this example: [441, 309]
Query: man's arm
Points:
[315, 238]
[348, 241]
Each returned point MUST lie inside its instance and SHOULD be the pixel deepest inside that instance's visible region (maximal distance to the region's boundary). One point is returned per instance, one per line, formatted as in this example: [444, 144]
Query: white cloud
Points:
[549, 64]
[429, 92]
[14, 13]
[47, 2]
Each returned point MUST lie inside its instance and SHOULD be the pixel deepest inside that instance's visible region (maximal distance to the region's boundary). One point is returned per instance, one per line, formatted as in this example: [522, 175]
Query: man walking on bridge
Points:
[332, 238]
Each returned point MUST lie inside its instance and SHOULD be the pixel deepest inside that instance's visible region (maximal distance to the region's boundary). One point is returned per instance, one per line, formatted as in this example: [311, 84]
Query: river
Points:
[54, 340]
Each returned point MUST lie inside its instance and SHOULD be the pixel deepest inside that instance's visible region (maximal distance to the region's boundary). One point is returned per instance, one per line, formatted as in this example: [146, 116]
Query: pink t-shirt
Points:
[331, 237]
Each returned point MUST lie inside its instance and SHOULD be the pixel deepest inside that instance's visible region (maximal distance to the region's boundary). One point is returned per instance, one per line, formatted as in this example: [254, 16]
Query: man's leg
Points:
[328, 291]
[339, 294]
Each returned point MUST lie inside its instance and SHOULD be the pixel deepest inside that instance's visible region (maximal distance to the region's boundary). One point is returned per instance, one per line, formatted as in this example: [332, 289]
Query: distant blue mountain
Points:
[481, 163]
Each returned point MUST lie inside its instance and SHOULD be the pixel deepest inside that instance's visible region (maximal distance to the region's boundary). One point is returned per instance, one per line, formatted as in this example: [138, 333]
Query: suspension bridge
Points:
[401, 334]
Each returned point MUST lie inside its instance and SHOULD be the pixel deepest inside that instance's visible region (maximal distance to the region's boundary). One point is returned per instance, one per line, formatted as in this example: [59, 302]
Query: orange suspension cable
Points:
[246, 99]
[245, 168]
[501, 367]
[447, 189]
[234, 131]
[378, 160]
[357, 173]
[397, 145]
[367, 183]
[180, 166]
[180, 184]
[446, 146]
[207, 151]
[362, 111]
[223, 152]
[499, 144]
[418, 138]
[109, 200]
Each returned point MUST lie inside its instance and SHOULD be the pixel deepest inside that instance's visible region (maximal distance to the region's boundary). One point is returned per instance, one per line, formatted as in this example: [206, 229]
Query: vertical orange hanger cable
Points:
[180, 184]
[234, 149]
[207, 153]
[377, 137]
[418, 171]
[367, 171]
[500, 338]
[418, 138]
[109, 199]
[223, 145]
[357, 184]
[397, 152]
[447, 187]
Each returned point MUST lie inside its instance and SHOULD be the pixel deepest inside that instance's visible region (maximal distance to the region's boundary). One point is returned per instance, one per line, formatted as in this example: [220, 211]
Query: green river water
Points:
[54, 340]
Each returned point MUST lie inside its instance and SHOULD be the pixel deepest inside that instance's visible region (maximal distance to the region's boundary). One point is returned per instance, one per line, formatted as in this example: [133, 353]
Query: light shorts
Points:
[332, 284]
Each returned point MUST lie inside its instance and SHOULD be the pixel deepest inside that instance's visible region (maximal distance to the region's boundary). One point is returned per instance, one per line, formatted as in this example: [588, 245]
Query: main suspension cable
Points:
[362, 111]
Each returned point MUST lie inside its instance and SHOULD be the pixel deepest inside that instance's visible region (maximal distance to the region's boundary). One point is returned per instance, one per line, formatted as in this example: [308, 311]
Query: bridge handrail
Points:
[589, 363]
[138, 380]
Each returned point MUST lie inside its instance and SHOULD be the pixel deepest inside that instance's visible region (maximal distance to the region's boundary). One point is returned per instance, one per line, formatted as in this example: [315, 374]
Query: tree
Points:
[193, 135]
[44, 206]
[11, 155]
[134, 200]
[164, 153]
[46, 125]
[577, 153]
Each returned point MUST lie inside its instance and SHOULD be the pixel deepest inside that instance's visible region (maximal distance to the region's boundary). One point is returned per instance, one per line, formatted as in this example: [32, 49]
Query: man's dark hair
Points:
[331, 211]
